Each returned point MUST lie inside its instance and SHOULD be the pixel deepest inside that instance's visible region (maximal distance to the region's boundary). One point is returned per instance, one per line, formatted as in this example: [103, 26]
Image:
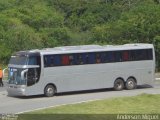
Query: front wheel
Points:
[49, 91]
[130, 84]
[118, 84]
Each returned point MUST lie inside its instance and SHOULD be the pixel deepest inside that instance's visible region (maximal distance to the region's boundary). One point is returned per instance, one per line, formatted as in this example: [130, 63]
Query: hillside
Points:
[48, 23]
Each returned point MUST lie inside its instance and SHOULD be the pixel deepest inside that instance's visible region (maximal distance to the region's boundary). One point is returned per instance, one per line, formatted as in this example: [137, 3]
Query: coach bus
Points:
[76, 68]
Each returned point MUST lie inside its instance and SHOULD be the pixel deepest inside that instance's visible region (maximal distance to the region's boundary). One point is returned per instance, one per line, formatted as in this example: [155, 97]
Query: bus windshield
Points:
[18, 60]
[15, 76]
[24, 60]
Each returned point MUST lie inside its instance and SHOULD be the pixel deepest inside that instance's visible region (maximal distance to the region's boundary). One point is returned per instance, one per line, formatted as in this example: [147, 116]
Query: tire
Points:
[49, 91]
[118, 84]
[130, 84]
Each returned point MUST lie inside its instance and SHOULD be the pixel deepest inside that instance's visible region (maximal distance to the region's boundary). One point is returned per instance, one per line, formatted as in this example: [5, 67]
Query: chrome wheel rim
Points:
[50, 91]
[131, 84]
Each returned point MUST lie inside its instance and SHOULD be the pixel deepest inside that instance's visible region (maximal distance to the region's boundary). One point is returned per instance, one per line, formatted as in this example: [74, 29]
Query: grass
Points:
[141, 104]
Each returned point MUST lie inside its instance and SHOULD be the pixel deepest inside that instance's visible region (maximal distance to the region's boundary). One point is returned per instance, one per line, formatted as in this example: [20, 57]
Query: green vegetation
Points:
[48, 23]
[141, 104]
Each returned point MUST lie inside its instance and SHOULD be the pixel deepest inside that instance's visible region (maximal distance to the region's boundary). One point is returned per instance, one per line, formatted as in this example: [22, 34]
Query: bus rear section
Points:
[120, 68]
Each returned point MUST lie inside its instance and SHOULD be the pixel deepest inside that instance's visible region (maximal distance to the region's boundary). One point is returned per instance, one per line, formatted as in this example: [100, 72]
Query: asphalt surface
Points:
[24, 104]
[3, 88]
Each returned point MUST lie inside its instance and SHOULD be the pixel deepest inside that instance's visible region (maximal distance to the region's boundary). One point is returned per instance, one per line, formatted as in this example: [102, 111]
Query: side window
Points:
[65, 59]
[132, 55]
[125, 56]
[98, 58]
[57, 60]
[79, 60]
[149, 54]
[84, 58]
[71, 59]
[109, 56]
[144, 55]
[52, 60]
[140, 55]
[118, 56]
[47, 61]
[89, 58]
[103, 57]
[32, 60]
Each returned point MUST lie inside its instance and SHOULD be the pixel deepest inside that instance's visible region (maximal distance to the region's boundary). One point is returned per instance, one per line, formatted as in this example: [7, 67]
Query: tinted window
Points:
[52, 60]
[71, 59]
[140, 54]
[95, 57]
[103, 57]
[79, 59]
[90, 57]
[132, 55]
[65, 59]
[125, 56]
[118, 56]
[109, 57]
[57, 60]
[143, 54]
[18, 60]
[47, 61]
[34, 60]
[149, 54]
[98, 57]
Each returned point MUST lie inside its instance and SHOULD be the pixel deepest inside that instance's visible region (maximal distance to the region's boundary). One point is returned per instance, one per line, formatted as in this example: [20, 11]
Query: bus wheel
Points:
[130, 83]
[118, 84]
[49, 91]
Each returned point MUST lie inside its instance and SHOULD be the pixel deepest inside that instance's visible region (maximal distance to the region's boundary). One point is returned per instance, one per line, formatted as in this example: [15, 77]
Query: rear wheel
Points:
[118, 84]
[49, 91]
[130, 84]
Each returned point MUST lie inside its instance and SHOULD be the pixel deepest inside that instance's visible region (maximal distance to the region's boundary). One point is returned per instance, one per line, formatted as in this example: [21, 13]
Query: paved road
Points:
[3, 88]
[22, 104]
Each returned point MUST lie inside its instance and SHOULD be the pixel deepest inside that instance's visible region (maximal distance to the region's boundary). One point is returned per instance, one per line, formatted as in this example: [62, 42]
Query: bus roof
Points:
[91, 48]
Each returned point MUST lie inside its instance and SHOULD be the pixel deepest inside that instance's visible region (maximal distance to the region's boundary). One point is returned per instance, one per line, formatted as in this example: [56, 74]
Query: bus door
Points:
[34, 70]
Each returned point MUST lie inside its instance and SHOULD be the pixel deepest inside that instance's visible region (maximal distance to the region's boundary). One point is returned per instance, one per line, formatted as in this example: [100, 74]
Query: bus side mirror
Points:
[22, 74]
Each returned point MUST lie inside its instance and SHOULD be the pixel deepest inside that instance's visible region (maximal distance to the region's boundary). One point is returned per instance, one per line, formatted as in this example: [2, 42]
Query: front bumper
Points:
[14, 90]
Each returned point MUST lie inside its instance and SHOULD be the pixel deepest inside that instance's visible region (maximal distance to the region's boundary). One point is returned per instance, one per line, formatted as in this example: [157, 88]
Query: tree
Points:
[157, 51]
[140, 24]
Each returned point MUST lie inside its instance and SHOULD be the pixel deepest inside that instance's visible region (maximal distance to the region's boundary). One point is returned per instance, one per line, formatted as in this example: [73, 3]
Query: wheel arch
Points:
[52, 85]
[132, 78]
[120, 85]
[119, 78]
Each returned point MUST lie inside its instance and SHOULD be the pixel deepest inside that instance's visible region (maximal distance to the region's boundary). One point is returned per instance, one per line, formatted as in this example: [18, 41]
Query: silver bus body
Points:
[85, 76]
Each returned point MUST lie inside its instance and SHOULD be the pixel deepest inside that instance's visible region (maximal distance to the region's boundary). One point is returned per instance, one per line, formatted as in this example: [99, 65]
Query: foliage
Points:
[138, 25]
[47, 23]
